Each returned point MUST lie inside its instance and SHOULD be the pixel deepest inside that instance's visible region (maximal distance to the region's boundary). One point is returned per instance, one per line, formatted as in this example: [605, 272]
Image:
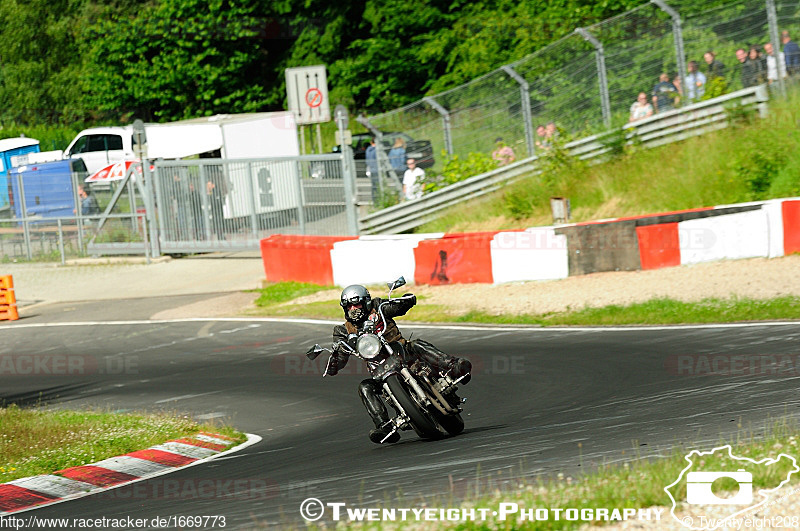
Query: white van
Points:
[101, 146]
[242, 136]
[253, 135]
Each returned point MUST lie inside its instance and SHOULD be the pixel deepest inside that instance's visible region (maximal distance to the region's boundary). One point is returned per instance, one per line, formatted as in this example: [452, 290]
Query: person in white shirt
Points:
[412, 180]
[772, 68]
[695, 82]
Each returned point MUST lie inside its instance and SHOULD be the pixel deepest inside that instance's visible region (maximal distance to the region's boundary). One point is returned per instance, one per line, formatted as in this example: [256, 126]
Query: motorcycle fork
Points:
[412, 382]
[401, 412]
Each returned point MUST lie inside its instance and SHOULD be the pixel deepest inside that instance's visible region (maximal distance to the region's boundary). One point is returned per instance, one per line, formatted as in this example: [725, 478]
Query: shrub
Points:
[457, 169]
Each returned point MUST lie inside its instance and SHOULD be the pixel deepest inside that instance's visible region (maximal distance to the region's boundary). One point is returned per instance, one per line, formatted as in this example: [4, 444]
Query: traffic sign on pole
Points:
[307, 94]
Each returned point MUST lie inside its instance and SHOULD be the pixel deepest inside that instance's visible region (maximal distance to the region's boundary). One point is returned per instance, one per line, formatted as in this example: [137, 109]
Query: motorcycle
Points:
[424, 400]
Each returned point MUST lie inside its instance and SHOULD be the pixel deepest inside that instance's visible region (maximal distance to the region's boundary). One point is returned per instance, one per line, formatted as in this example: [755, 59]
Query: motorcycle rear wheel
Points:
[420, 420]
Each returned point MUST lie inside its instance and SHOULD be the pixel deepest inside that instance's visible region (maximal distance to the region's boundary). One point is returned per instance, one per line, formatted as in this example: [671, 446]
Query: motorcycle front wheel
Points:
[420, 420]
[454, 424]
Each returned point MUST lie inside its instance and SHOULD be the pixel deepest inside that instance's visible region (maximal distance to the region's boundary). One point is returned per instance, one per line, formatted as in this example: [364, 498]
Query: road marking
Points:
[209, 416]
[412, 325]
[484, 337]
[204, 331]
[183, 397]
[300, 402]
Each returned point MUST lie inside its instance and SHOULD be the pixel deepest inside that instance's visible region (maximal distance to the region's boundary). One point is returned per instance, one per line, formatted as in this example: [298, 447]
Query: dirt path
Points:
[759, 278]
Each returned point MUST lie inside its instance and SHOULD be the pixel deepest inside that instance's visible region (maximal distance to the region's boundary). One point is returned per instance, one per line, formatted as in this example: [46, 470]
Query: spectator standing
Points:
[678, 85]
[412, 180]
[791, 52]
[216, 201]
[397, 156]
[371, 156]
[542, 140]
[715, 68]
[503, 154]
[541, 137]
[746, 70]
[773, 65]
[551, 132]
[641, 108]
[89, 206]
[758, 65]
[665, 97]
[695, 83]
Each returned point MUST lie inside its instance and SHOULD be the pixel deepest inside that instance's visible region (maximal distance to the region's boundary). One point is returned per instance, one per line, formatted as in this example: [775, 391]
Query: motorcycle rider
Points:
[361, 310]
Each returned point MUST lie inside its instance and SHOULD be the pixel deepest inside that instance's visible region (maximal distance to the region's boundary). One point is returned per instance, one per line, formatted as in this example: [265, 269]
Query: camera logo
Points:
[706, 507]
[698, 488]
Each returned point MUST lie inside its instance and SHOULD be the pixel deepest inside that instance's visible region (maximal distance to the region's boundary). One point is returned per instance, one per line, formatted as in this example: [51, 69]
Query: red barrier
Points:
[791, 226]
[659, 245]
[455, 259]
[299, 258]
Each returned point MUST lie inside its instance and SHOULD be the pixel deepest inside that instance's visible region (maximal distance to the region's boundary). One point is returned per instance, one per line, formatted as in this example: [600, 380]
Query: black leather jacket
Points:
[395, 308]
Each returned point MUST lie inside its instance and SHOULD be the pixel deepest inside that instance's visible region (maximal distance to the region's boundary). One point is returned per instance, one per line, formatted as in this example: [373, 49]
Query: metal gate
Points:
[207, 205]
[191, 206]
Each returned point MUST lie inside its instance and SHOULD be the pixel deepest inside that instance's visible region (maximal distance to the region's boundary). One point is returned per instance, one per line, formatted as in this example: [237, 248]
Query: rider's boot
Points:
[459, 367]
[452, 366]
[369, 392]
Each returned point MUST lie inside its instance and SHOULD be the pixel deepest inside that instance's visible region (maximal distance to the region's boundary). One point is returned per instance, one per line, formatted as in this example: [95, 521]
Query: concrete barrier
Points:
[757, 229]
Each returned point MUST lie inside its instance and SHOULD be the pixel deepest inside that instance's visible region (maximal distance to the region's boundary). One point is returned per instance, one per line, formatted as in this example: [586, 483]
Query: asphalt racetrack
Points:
[535, 395]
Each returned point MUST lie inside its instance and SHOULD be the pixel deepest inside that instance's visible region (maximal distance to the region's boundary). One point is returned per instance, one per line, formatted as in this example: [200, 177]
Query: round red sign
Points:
[314, 97]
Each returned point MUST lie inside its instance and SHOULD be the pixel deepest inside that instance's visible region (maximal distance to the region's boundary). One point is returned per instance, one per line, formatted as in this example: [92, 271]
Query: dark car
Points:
[419, 150]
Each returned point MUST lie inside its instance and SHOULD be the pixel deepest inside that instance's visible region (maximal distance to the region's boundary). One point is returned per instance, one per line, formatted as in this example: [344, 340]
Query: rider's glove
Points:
[411, 297]
[352, 340]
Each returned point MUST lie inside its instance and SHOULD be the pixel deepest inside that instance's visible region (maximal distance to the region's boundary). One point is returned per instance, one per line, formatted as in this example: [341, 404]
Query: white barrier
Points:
[732, 236]
[375, 260]
[534, 254]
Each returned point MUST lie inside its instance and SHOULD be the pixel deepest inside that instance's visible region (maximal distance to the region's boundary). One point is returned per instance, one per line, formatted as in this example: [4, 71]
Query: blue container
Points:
[10, 151]
[48, 186]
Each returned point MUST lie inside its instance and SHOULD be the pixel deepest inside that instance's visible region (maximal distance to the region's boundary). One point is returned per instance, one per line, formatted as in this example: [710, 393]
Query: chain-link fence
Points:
[587, 81]
[52, 214]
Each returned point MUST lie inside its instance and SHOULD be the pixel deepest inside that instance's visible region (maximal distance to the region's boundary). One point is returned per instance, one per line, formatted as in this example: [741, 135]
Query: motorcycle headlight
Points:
[368, 346]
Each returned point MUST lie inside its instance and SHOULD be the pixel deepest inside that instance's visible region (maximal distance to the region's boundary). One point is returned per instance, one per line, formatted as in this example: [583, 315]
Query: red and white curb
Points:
[78, 481]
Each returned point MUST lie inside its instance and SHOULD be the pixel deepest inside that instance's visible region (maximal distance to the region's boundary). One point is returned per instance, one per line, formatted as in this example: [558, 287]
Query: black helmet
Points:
[355, 295]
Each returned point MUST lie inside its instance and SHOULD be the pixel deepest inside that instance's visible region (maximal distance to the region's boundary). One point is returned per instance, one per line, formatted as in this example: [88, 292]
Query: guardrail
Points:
[663, 128]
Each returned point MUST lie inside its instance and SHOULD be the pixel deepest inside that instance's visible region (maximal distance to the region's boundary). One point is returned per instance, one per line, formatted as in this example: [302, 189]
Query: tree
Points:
[40, 66]
[179, 59]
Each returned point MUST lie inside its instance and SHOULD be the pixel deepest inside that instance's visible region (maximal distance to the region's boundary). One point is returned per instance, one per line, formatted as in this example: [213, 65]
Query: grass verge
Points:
[636, 483]
[37, 441]
[656, 311]
[285, 291]
[274, 299]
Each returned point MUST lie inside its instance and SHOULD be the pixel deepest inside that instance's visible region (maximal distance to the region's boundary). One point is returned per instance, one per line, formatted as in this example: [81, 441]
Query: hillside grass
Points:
[753, 159]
